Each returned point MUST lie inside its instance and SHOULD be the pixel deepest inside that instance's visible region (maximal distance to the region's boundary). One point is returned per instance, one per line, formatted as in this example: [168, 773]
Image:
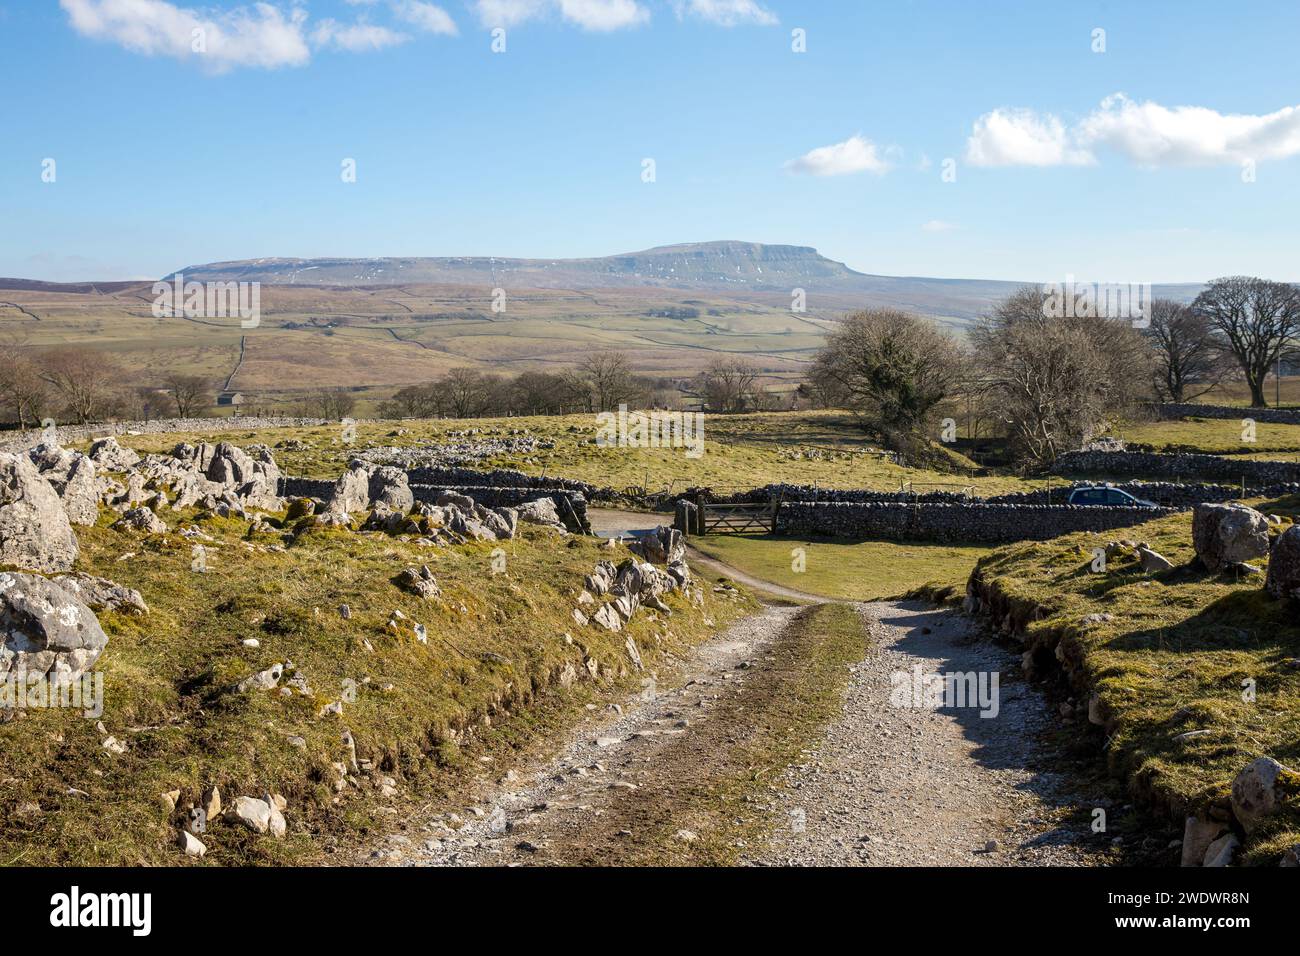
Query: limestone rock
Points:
[1198, 834]
[140, 519]
[46, 629]
[101, 594]
[389, 486]
[419, 581]
[253, 813]
[607, 618]
[111, 456]
[1222, 851]
[1256, 791]
[1228, 534]
[1153, 560]
[1283, 580]
[190, 844]
[34, 529]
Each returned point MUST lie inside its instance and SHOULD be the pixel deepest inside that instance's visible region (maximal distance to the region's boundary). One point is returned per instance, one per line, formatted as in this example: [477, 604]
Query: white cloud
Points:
[604, 15]
[855, 155]
[260, 35]
[355, 37]
[938, 225]
[1155, 135]
[508, 13]
[1148, 134]
[596, 15]
[1022, 138]
[727, 13]
[425, 16]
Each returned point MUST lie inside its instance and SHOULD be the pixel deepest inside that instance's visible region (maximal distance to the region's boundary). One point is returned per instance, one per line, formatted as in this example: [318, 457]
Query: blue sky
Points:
[165, 157]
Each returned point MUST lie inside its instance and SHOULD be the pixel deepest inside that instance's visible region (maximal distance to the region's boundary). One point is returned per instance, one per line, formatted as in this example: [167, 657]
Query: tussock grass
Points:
[487, 681]
[1175, 657]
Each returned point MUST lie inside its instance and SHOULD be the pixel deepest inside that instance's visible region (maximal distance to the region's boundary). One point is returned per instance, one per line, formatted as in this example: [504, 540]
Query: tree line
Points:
[1045, 383]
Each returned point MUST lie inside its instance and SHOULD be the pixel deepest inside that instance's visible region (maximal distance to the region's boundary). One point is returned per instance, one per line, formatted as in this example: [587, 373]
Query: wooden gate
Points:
[739, 518]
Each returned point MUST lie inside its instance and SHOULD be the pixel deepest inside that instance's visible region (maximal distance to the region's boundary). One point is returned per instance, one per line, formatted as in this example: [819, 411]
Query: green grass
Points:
[1214, 436]
[853, 571]
[487, 682]
[732, 760]
[1173, 659]
[741, 452]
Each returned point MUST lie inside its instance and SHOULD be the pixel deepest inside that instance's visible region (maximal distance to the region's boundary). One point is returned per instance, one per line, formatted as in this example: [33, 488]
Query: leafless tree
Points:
[1188, 360]
[189, 393]
[1055, 381]
[610, 380]
[331, 403]
[85, 381]
[730, 386]
[1257, 320]
[537, 393]
[466, 392]
[23, 391]
[891, 369]
[413, 401]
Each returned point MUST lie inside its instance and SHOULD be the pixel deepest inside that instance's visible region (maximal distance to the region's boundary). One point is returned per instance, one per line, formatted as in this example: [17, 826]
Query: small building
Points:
[230, 398]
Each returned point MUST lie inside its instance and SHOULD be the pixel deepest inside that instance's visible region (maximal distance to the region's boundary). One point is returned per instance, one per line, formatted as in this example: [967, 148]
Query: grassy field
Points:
[1214, 436]
[375, 340]
[1174, 658]
[741, 452]
[490, 678]
[850, 571]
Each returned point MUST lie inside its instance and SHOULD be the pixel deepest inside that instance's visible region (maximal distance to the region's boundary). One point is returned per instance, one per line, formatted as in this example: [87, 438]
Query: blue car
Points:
[1101, 495]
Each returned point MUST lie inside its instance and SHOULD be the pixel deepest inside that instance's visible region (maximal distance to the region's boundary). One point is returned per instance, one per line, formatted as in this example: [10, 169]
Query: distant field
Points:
[377, 340]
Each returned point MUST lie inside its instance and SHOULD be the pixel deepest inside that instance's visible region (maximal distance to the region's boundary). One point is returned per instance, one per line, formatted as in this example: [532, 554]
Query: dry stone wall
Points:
[941, 521]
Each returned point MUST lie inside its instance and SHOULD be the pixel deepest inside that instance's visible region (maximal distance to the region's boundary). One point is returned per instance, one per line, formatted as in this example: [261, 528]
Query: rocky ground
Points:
[596, 801]
[881, 785]
[915, 786]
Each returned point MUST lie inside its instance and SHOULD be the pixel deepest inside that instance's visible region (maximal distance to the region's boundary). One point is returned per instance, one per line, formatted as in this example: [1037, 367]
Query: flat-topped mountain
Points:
[718, 265]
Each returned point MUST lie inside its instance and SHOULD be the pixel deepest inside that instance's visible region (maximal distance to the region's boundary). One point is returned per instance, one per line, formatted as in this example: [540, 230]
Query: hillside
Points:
[727, 267]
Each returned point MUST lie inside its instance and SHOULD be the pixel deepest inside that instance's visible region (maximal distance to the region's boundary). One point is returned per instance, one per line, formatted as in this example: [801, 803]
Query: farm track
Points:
[882, 783]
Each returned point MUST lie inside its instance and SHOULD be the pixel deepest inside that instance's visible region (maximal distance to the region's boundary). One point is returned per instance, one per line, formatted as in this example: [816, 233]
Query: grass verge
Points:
[1165, 654]
[496, 669]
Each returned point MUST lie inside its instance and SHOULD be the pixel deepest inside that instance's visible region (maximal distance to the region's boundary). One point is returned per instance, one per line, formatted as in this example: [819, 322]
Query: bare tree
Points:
[86, 381]
[537, 393]
[466, 392]
[729, 386]
[331, 403]
[891, 369]
[610, 380]
[413, 401]
[23, 392]
[1054, 380]
[189, 393]
[1188, 360]
[1257, 320]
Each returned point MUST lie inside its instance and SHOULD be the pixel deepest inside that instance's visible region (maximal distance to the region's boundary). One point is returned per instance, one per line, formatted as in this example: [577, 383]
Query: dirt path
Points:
[883, 779]
[902, 785]
[593, 802]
